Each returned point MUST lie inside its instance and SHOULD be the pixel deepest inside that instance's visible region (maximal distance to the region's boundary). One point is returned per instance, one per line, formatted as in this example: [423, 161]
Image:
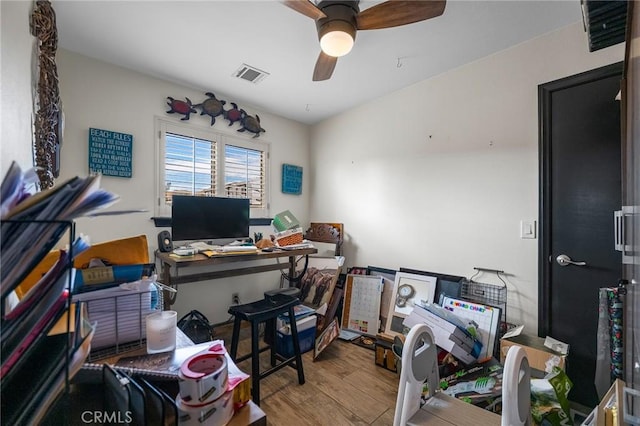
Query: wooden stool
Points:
[256, 313]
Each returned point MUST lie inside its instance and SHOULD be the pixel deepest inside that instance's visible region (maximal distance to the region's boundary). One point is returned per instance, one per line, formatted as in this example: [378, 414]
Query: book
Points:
[285, 220]
[161, 366]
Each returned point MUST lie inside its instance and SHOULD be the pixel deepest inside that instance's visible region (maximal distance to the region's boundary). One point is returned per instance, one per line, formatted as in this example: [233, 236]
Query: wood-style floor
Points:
[343, 386]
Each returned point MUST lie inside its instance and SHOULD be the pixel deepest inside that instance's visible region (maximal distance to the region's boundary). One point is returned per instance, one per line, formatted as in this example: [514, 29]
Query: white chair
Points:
[516, 388]
[419, 364]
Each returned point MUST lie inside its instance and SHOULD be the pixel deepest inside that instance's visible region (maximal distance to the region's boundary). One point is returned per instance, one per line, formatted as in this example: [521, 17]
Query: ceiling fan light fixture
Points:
[337, 38]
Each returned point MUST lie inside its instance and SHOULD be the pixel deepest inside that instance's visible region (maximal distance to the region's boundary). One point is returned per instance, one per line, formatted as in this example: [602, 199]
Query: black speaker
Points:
[164, 241]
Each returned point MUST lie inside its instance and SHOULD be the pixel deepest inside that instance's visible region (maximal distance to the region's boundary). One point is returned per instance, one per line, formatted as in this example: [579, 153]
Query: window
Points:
[201, 162]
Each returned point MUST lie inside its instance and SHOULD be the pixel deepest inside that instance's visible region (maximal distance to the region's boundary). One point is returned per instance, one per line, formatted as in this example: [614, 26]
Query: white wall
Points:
[438, 176]
[99, 95]
[16, 111]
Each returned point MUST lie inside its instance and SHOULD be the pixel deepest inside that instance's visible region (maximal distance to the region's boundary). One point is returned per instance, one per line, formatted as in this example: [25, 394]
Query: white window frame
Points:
[221, 139]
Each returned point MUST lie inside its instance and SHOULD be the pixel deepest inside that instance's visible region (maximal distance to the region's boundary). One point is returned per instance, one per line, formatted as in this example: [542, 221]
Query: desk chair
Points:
[258, 312]
[419, 363]
[325, 232]
[318, 232]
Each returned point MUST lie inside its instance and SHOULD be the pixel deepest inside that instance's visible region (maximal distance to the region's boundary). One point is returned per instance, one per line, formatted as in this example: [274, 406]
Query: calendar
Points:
[361, 311]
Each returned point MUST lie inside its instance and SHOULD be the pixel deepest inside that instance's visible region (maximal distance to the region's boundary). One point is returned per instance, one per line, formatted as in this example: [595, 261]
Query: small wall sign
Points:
[110, 153]
[291, 179]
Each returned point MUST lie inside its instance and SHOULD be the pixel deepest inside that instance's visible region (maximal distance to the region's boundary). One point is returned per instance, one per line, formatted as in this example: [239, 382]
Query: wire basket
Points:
[289, 237]
[488, 294]
[120, 318]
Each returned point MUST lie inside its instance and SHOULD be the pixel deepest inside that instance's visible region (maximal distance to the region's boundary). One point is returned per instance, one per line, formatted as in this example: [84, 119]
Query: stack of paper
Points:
[120, 314]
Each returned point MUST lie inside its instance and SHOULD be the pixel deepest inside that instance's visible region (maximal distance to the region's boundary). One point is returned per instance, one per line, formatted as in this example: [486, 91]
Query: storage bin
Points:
[306, 336]
[289, 237]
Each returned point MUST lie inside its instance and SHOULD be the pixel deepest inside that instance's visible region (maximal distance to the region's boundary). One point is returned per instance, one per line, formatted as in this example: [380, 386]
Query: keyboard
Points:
[225, 249]
[202, 246]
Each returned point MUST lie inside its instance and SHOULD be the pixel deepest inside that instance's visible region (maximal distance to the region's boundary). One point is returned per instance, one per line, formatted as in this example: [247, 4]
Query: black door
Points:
[580, 153]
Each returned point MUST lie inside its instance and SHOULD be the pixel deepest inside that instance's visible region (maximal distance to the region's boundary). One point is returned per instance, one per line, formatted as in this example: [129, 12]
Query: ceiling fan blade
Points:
[393, 13]
[306, 8]
[324, 67]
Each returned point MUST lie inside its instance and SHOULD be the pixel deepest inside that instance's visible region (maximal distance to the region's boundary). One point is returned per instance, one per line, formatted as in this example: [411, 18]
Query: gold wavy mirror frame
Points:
[48, 121]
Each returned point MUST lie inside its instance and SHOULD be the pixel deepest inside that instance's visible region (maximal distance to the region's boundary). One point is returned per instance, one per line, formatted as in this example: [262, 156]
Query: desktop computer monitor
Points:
[215, 219]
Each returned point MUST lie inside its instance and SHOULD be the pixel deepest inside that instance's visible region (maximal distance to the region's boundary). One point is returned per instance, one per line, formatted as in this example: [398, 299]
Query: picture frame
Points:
[328, 335]
[447, 285]
[389, 279]
[291, 179]
[319, 281]
[361, 308]
[408, 290]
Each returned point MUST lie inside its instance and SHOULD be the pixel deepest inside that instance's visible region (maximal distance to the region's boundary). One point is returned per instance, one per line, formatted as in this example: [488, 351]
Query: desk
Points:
[444, 410]
[88, 396]
[169, 262]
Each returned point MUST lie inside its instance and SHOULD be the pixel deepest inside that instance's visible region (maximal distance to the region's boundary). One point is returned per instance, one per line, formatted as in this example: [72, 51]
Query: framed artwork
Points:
[409, 290]
[327, 336]
[357, 270]
[446, 286]
[291, 179]
[319, 281]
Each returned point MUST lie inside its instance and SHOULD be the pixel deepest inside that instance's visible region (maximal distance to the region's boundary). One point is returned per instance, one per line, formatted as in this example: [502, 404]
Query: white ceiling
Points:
[201, 44]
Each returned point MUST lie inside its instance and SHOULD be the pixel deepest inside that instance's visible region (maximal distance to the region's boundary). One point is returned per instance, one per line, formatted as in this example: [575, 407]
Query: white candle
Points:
[161, 331]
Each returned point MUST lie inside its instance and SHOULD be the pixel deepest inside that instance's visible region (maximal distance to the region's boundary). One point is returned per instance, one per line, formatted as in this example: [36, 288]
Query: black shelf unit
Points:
[30, 383]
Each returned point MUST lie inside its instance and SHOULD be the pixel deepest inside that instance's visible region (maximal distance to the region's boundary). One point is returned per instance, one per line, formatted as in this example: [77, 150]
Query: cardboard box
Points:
[537, 353]
[384, 355]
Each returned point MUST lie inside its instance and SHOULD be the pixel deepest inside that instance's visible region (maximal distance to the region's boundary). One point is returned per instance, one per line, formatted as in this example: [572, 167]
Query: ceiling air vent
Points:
[604, 22]
[250, 74]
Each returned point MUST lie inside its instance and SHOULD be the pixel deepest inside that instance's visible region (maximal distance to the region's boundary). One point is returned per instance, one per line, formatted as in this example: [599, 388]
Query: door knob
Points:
[564, 260]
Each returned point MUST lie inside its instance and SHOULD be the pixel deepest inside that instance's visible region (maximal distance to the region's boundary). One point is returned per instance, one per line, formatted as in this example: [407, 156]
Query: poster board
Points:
[361, 311]
[487, 318]
[389, 279]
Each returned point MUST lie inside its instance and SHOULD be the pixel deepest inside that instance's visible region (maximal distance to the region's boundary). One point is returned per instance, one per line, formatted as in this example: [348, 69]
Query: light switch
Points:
[528, 229]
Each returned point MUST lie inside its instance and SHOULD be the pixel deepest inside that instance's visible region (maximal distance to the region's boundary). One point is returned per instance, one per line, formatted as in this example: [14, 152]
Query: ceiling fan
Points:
[338, 20]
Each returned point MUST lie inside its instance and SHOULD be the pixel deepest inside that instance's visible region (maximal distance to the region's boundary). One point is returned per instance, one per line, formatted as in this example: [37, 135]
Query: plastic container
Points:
[306, 337]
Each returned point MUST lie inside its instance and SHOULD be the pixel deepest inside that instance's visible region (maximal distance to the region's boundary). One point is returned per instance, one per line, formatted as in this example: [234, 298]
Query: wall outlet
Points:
[235, 298]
